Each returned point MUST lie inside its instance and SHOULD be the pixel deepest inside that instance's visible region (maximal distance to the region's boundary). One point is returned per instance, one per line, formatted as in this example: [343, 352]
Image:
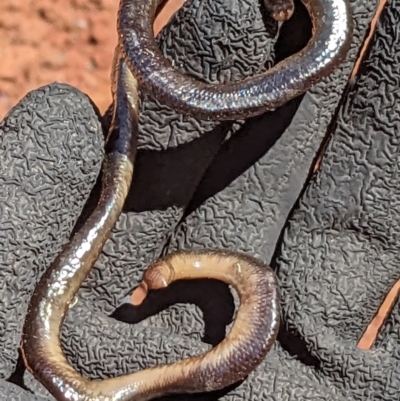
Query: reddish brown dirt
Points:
[69, 41]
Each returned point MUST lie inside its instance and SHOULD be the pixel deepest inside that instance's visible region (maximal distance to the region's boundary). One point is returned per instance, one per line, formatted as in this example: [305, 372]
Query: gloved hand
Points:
[221, 185]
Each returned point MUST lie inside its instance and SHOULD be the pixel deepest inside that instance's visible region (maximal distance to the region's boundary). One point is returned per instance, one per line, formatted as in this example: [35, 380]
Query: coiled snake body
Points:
[138, 61]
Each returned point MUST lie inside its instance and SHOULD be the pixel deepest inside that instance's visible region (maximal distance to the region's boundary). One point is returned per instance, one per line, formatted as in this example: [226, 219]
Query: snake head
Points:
[158, 275]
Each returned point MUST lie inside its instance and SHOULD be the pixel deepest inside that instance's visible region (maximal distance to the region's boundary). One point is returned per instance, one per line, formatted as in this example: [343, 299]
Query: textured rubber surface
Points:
[50, 155]
[340, 254]
[12, 392]
[246, 176]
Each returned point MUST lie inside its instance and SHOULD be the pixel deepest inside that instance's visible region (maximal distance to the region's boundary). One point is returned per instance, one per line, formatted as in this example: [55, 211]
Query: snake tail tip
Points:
[139, 294]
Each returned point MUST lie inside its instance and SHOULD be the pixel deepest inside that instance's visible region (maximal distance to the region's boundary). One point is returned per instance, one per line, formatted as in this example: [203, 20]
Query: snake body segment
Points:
[332, 27]
[251, 336]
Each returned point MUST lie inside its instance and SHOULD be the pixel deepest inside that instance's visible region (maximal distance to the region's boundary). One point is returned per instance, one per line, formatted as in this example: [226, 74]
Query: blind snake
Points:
[138, 62]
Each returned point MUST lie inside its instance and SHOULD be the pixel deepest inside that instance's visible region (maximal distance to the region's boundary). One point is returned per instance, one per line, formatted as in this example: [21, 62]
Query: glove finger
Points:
[282, 147]
[175, 150]
[51, 152]
[340, 254]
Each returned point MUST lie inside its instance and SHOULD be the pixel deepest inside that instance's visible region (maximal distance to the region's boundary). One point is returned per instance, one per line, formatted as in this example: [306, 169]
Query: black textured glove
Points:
[220, 185]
